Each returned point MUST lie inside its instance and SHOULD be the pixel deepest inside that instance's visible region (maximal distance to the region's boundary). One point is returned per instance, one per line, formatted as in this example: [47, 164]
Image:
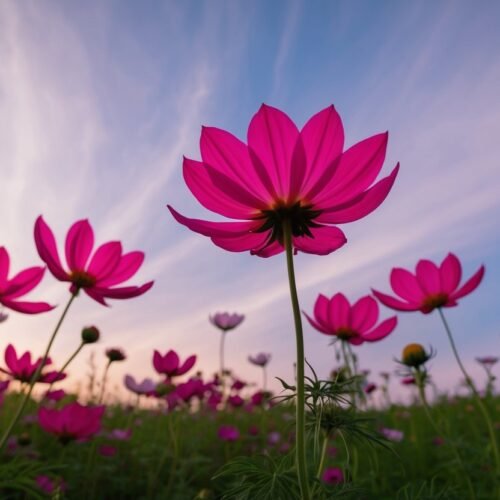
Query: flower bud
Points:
[115, 354]
[414, 355]
[90, 334]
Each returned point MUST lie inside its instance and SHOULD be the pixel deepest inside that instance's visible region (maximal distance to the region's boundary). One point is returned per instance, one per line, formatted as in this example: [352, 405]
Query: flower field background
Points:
[299, 300]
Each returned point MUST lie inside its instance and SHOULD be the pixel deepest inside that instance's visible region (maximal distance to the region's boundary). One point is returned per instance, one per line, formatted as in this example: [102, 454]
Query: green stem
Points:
[35, 376]
[419, 377]
[264, 385]
[299, 339]
[222, 368]
[103, 383]
[72, 357]
[476, 395]
[322, 457]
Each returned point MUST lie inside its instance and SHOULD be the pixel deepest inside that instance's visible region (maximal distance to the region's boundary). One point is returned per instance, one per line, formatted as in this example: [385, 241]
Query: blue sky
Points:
[100, 101]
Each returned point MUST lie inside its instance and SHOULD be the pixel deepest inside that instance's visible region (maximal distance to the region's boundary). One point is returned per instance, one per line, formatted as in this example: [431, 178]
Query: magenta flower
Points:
[408, 381]
[285, 174]
[107, 450]
[261, 359]
[98, 275]
[23, 369]
[55, 395]
[72, 421]
[170, 364]
[147, 386]
[228, 433]
[225, 321]
[49, 485]
[354, 324]
[22, 283]
[487, 361]
[430, 287]
[236, 401]
[369, 388]
[333, 475]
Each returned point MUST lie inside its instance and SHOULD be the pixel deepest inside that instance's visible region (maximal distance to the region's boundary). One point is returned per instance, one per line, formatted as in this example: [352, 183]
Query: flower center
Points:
[301, 218]
[345, 333]
[434, 301]
[82, 279]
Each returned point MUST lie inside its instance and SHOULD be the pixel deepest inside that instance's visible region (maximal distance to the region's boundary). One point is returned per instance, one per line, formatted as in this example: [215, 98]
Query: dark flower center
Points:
[82, 279]
[345, 333]
[300, 217]
[434, 301]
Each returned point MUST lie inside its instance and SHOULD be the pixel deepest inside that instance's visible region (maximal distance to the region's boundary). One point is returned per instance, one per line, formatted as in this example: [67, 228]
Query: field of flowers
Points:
[184, 434]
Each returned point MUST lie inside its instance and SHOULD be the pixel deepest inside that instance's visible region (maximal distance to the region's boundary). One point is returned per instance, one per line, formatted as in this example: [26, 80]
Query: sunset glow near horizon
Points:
[99, 103]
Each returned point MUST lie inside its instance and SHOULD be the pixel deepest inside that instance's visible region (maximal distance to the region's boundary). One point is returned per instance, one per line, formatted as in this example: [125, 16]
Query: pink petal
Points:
[358, 168]
[428, 277]
[405, 284]
[361, 205]
[4, 266]
[27, 307]
[126, 292]
[105, 260]
[24, 282]
[321, 308]
[207, 228]
[79, 244]
[394, 303]
[11, 358]
[450, 273]
[224, 152]
[157, 361]
[187, 365]
[242, 243]
[325, 240]
[126, 268]
[213, 196]
[339, 311]
[272, 137]
[469, 286]
[317, 325]
[323, 139]
[382, 330]
[364, 314]
[170, 362]
[355, 340]
[47, 249]
[269, 250]
[96, 295]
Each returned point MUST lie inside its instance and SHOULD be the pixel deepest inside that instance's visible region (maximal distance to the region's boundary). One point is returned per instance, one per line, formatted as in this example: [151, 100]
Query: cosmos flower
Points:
[22, 369]
[333, 475]
[72, 421]
[55, 395]
[283, 175]
[225, 321]
[487, 361]
[352, 323]
[261, 359]
[170, 364]
[228, 433]
[430, 287]
[147, 386]
[392, 434]
[22, 283]
[115, 354]
[97, 276]
[49, 485]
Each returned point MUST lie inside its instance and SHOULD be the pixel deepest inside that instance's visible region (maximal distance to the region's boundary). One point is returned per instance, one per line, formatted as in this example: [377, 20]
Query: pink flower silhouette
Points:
[333, 475]
[430, 287]
[23, 369]
[22, 283]
[226, 321]
[354, 324]
[228, 433]
[98, 275]
[72, 421]
[147, 386]
[283, 174]
[261, 359]
[170, 364]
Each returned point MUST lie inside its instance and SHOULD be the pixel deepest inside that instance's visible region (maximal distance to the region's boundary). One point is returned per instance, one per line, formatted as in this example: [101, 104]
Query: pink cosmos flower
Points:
[392, 434]
[354, 324]
[333, 475]
[283, 174]
[369, 388]
[49, 485]
[55, 395]
[23, 369]
[4, 385]
[261, 359]
[72, 421]
[408, 381]
[107, 450]
[238, 384]
[487, 361]
[147, 386]
[22, 283]
[236, 401]
[121, 434]
[430, 287]
[225, 321]
[228, 433]
[170, 364]
[98, 275]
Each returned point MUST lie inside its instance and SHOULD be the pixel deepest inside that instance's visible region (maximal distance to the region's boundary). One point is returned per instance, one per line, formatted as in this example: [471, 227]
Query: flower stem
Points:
[72, 357]
[299, 338]
[35, 376]
[103, 383]
[264, 382]
[476, 395]
[222, 368]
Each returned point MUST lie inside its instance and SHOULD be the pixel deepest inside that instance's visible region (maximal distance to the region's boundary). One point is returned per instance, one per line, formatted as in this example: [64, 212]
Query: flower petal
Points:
[10, 356]
[325, 240]
[361, 205]
[126, 268]
[218, 193]
[382, 330]
[469, 286]
[339, 311]
[105, 260]
[187, 365]
[364, 314]
[27, 307]
[273, 136]
[47, 249]
[95, 295]
[405, 284]
[241, 243]
[317, 325]
[428, 277]
[126, 292]
[394, 303]
[157, 361]
[4, 266]
[321, 307]
[79, 244]
[170, 362]
[23, 282]
[450, 273]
